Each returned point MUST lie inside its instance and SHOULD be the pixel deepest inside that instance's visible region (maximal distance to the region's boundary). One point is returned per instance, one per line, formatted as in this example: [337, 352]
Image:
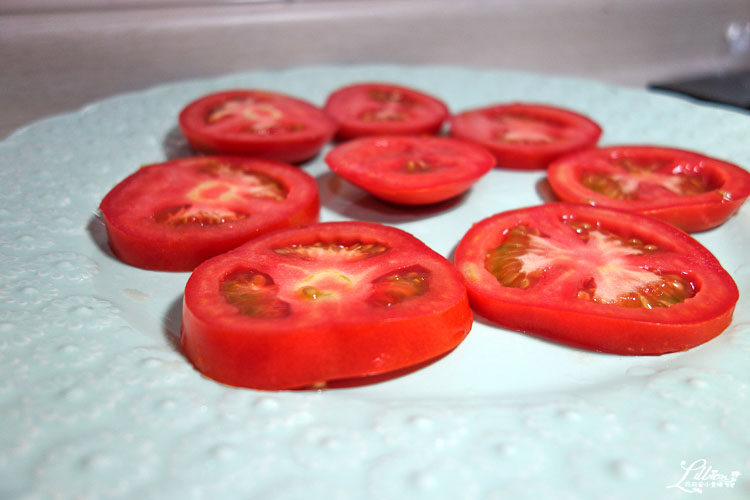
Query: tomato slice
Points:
[302, 306]
[526, 136]
[172, 216]
[689, 190]
[596, 278]
[384, 109]
[256, 123]
[410, 170]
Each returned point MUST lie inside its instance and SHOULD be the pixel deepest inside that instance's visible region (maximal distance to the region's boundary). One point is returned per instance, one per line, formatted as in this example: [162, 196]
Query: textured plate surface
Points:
[98, 402]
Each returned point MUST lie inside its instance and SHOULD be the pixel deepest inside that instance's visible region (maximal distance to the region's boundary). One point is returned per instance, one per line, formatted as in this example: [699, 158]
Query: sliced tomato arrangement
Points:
[256, 123]
[414, 170]
[384, 109]
[302, 306]
[172, 216]
[596, 278]
[691, 191]
[526, 136]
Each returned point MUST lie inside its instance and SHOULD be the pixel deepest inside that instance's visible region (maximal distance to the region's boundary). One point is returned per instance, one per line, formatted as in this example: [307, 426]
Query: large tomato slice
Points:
[596, 278]
[689, 190]
[410, 170]
[384, 109]
[302, 306]
[172, 216]
[526, 136]
[256, 123]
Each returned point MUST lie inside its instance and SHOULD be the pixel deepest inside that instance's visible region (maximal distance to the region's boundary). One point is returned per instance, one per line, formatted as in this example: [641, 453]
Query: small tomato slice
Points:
[384, 109]
[410, 170]
[596, 278]
[302, 306]
[526, 136]
[256, 123]
[689, 190]
[172, 216]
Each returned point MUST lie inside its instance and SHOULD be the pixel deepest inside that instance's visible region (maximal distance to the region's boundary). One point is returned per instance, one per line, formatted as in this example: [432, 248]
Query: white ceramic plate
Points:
[98, 402]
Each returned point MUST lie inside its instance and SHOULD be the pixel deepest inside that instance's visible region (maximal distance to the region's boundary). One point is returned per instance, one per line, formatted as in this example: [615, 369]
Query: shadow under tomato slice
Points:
[303, 306]
[596, 278]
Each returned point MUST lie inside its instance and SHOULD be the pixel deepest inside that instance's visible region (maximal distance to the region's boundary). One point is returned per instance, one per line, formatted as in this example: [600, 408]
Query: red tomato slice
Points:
[302, 306]
[526, 136]
[410, 170]
[256, 123]
[686, 189]
[596, 278]
[384, 109]
[172, 216]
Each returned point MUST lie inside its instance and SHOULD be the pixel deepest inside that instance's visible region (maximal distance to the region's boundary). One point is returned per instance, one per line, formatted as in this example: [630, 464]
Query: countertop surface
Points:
[59, 55]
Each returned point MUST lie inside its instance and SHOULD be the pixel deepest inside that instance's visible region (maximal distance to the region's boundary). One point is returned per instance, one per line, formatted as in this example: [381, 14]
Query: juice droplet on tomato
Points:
[254, 293]
[394, 288]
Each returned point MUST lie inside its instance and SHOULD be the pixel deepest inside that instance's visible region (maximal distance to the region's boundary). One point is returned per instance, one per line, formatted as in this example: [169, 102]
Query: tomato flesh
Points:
[596, 278]
[371, 108]
[526, 136]
[302, 306]
[174, 215]
[410, 170]
[256, 123]
[691, 191]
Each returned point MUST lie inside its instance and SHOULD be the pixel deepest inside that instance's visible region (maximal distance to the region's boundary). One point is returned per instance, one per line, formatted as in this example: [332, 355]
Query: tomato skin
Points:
[548, 312]
[309, 347]
[289, 147]
[346, 104]
[576, 132]
[379, 165]
[730, 185]
[136, 239]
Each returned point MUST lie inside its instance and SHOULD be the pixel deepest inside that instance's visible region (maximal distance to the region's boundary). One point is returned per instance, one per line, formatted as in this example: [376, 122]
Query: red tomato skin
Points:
[184, 254]
[528, 157]
[270, 356]
[338, 106]
[692, 213]
[394, 188]
[291, 148]
[606, 328]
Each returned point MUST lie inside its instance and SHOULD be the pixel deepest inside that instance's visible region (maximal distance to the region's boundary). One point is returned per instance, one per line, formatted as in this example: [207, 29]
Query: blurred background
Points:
[57, 55]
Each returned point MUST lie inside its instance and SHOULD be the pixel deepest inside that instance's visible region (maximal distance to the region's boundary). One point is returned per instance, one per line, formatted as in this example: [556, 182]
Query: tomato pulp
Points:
[384, 109]
[410, 170]
[302, 306]
[172, 216]
[526, 136]
[689, 190]
[596, 278]
[256, 123]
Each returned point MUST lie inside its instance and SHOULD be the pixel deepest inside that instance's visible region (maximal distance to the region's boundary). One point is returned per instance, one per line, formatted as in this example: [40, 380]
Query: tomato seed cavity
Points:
[188, 215]
[333, 251]
[394, 288]
[253, 293]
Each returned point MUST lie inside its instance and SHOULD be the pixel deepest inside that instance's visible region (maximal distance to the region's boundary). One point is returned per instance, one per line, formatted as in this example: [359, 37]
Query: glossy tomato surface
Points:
[256, 123]
[691, 191]
[303, 306]
[172, 216]
[384, 109]
[412, 170]
[596, 278]
[526, 136]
